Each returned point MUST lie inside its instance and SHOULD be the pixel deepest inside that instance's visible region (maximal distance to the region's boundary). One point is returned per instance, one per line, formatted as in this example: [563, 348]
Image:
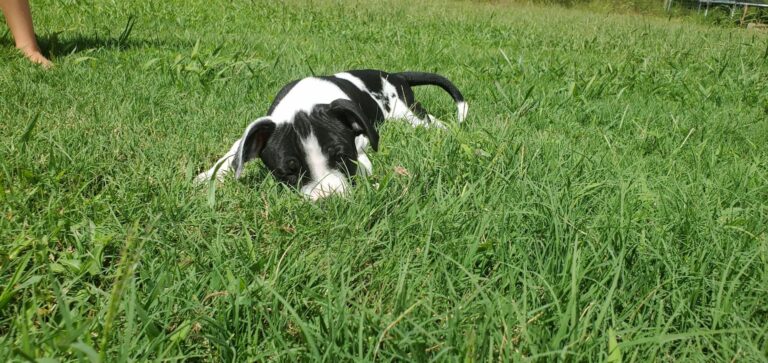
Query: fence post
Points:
[744, 15]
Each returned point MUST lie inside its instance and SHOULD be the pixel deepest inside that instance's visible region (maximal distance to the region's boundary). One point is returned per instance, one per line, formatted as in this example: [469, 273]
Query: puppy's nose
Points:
[332, 183]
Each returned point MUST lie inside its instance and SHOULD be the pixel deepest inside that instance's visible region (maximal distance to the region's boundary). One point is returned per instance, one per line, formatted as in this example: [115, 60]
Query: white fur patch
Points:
[435, 122]
[316, 160]
[325, 181]
[304, 96]
[333, 183]
[356, 81]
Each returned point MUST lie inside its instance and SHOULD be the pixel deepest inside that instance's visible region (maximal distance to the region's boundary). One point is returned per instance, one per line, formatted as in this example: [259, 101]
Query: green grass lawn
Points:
[606, 199]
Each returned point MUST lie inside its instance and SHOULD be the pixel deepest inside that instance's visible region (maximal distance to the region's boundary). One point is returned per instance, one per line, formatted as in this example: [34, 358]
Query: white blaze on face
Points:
[324, 180]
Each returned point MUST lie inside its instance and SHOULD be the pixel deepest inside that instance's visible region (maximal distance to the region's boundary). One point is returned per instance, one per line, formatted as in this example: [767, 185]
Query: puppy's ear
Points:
[252, 143]
[350, 113]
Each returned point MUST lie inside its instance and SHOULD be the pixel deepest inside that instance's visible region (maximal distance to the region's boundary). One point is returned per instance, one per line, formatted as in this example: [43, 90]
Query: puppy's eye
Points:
[337, 153]
[292, 165]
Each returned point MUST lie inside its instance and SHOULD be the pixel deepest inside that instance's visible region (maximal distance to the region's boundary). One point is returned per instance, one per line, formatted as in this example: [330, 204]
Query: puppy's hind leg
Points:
[220, 169]
[415, 114]
[426, 118]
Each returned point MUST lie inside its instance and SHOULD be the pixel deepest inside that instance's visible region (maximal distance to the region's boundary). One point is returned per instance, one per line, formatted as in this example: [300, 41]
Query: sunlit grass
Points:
[608, 190]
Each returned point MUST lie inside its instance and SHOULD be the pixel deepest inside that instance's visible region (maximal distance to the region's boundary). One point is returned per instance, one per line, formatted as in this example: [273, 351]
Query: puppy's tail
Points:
[422, 78]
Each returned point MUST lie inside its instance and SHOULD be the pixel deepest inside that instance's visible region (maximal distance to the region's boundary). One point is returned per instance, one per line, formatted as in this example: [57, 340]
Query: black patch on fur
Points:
[284, 157]
[336, 140]
[367, 104]
[371, 78]
[302, 124]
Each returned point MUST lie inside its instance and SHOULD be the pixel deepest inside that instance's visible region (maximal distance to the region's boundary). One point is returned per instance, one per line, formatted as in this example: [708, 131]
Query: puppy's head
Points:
[316, 152]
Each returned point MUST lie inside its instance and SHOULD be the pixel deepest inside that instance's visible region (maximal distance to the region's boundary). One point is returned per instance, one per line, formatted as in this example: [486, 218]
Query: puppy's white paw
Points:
[435, 122]
[201, 179]
[361, 143]
[205, 177]
[364, 165]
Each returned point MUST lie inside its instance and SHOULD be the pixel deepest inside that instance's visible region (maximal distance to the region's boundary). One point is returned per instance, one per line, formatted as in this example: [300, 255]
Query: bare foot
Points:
[34, 55]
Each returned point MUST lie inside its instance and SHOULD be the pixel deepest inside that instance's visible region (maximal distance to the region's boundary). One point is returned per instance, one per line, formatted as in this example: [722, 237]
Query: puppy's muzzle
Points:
[332, 183]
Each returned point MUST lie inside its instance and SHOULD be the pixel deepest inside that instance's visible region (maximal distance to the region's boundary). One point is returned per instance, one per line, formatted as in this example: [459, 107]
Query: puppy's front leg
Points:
[224, 165]
[364, 166]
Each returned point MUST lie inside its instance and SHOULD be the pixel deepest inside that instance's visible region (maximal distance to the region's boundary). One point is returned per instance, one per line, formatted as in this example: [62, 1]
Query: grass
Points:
[604, 201]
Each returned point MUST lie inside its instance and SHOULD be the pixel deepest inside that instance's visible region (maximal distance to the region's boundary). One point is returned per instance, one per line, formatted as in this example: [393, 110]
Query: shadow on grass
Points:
[54, 44]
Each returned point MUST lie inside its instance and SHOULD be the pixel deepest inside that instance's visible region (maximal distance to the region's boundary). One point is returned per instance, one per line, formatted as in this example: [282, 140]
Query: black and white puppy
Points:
[315, 133]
